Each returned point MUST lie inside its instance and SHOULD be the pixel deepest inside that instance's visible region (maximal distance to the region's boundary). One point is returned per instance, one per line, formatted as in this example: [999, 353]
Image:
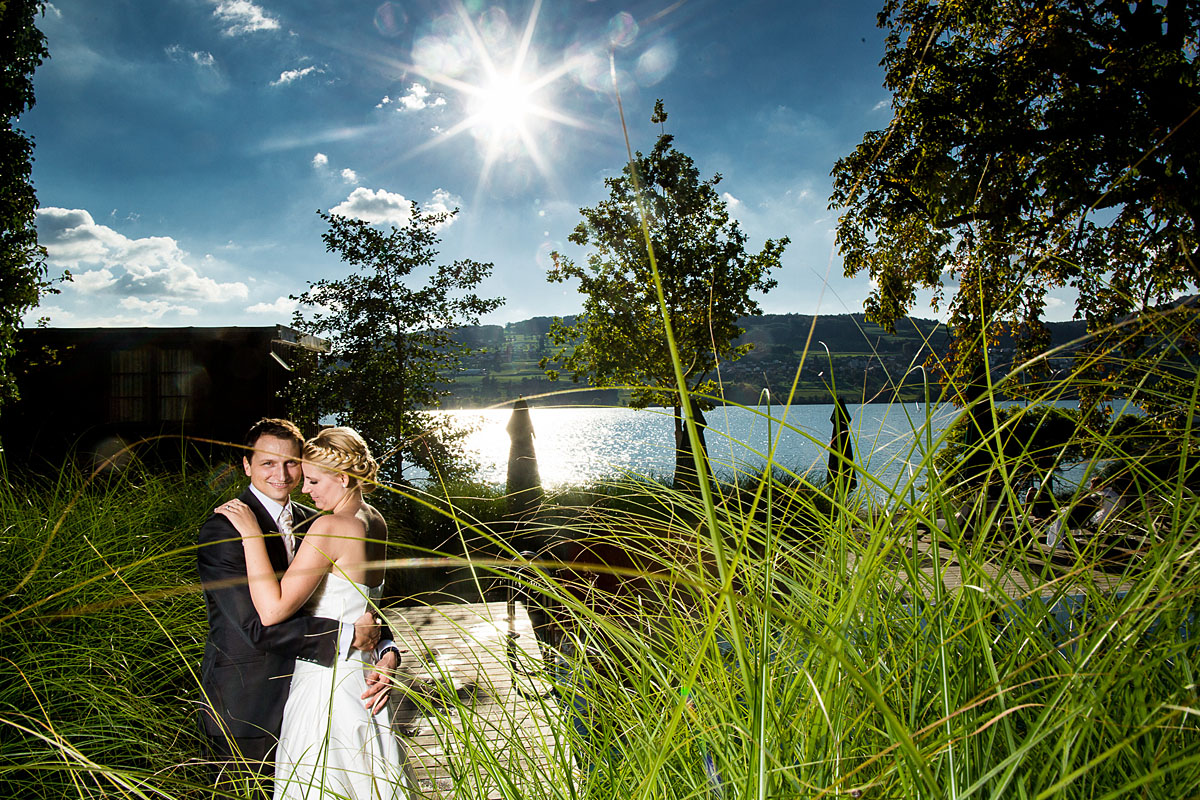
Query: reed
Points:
[770, 639]
[103, 628]
[894, 643]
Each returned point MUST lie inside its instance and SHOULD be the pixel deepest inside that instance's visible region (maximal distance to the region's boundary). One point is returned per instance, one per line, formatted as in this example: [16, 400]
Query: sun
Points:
[508, 101]
[502, 109]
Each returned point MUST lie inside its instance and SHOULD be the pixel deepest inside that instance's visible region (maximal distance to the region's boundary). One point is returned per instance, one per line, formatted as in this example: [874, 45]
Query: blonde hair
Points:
[343, 451]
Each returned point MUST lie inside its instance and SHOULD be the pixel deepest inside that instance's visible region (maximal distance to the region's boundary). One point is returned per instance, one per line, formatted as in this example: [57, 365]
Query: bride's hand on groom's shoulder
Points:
[241, 516]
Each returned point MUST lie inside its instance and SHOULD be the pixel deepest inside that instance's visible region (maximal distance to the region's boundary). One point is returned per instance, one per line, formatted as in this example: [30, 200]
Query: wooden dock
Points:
[471, 705]
[1045, 570]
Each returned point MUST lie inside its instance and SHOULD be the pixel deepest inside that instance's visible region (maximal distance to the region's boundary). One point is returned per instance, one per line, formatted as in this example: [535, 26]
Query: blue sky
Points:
[184, 146]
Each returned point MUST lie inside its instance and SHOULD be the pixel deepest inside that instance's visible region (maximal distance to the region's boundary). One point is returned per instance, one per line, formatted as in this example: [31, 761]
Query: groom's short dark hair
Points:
[270, 426]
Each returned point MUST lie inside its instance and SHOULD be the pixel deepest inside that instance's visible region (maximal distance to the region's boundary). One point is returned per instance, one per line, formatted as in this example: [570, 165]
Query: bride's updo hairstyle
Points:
[343, 451]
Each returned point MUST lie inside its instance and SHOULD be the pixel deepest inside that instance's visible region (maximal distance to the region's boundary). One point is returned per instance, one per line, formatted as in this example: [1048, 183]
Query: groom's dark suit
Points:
[247, 666]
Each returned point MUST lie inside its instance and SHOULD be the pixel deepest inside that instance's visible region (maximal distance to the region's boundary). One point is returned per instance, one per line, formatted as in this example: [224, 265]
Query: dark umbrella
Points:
[841, 449]
[524, 483]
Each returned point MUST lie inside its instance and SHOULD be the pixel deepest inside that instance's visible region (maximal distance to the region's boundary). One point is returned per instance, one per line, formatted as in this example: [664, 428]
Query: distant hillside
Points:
[863, 360]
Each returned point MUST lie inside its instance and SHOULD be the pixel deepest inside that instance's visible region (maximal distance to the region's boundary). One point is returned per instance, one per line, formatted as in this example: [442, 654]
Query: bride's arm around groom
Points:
[246, 666]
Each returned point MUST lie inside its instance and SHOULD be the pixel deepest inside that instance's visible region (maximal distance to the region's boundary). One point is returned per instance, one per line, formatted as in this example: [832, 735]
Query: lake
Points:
[582, 445]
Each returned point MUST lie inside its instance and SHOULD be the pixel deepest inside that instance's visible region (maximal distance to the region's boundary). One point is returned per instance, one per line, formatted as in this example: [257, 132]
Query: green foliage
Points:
[22, 260]
[392, 345]
[862, 650]
[1030, 443]
[103, 629]
[1033, 146]
[707, 278]
[877, 656]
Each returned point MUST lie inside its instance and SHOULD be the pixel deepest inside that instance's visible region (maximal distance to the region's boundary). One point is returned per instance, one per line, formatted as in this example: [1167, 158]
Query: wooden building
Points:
[92, 391]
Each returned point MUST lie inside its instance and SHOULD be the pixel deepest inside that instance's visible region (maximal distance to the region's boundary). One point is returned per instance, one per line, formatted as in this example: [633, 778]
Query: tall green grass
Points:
[102, 629]
[773, 639]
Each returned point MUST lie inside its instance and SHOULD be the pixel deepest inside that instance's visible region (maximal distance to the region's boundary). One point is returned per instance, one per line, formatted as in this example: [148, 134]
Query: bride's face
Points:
[324, 487]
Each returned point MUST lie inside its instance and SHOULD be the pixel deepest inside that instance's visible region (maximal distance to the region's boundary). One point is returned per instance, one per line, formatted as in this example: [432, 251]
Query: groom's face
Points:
[274, 467]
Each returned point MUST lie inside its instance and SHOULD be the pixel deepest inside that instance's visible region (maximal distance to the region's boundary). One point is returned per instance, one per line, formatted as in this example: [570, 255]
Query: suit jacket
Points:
[247, 666]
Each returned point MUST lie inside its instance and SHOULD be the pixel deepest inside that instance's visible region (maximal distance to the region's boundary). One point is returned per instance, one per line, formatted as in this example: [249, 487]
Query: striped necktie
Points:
[285, 530]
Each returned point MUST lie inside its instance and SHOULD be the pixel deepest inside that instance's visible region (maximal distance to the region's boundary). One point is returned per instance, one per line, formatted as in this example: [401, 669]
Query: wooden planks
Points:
[1045, 570]
[472, 705]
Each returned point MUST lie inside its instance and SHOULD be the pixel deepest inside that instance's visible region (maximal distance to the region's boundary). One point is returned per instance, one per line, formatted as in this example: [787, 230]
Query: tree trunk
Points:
[685, 464]
[399, 421]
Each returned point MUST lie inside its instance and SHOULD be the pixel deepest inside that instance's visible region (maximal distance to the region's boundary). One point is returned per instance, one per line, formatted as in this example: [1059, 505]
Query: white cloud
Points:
[200, 58]
[800, 195]
[243, 16]
[383, 102]
[282, 307]
[376, 207]
[93, 280]
[731, 202]
[53, 10]
[442, 201]
[384, 207]
[321, 162]
[109, 263]
[418, 98]
[207, 72]
[288, 76]
[155, 309]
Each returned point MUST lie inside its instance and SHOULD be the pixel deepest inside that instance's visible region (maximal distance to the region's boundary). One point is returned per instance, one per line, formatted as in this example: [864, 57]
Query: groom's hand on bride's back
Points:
[366, 633]
[379, 681]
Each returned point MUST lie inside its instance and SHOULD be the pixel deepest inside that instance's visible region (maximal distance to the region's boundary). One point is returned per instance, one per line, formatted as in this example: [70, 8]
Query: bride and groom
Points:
[287, 675]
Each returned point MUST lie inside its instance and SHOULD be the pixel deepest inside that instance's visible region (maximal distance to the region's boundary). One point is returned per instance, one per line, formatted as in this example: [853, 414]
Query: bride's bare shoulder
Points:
[336, 525]
[370, 515]
[373, 520]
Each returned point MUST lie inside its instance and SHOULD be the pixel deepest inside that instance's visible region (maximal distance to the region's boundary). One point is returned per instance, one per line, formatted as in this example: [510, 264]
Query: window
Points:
[130, 370]
[150, 385]
[176, 370]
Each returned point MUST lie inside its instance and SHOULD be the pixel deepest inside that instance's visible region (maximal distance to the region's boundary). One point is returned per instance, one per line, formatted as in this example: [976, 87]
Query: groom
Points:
[247, 666]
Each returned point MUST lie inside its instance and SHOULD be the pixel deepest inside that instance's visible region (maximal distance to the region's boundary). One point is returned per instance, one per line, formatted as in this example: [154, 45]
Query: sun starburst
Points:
[507, 105]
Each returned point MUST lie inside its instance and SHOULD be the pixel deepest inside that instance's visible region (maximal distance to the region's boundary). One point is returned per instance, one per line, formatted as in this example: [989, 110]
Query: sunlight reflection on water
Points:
[582, 445]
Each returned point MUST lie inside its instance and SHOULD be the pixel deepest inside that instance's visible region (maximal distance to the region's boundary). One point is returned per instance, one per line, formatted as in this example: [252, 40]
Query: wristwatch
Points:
[391, 649]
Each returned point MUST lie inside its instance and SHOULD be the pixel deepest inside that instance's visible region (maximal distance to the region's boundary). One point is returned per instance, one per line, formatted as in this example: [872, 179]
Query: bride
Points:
[329, 742]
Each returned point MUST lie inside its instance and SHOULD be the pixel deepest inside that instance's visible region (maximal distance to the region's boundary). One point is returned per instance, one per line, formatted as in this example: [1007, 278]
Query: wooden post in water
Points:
[524, 487]
[842, 478]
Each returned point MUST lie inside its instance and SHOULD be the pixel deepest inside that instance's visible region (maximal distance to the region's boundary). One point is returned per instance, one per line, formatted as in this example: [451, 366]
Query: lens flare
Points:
[496, 31]
[390, 19]
[655, 64]
[622, 30]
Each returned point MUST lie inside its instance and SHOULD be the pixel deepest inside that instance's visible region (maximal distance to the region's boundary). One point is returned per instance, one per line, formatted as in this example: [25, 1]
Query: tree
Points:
[22, 260]
[1033, 145]
[392, 347]
[1034, 444]
[707, 279]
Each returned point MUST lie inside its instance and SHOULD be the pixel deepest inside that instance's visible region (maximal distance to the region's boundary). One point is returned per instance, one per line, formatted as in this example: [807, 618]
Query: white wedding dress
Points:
[330, 746]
